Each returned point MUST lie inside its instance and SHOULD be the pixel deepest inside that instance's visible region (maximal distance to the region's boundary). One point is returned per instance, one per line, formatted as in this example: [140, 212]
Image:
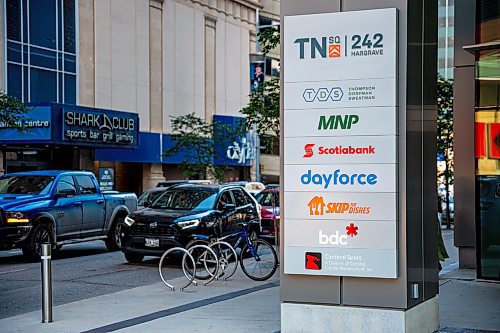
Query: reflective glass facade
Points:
[41, 50]
[487, 140]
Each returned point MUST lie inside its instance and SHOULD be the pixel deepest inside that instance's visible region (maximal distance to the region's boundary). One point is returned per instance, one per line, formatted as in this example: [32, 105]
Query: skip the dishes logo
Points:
[338, 150]
[318, 207]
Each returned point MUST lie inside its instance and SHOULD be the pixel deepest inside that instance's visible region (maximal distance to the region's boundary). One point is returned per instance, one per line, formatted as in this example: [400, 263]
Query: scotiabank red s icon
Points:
[308, 148]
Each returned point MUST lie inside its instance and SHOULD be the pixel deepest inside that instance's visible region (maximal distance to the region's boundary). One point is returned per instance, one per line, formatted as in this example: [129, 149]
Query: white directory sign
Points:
[340, 144]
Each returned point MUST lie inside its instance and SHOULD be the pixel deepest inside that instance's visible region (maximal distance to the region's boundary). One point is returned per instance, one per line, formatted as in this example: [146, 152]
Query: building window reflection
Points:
[41, 50]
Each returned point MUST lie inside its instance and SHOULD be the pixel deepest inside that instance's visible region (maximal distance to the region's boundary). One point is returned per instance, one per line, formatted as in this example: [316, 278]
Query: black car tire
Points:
[133, 258]
[39, 234]
[113, 241]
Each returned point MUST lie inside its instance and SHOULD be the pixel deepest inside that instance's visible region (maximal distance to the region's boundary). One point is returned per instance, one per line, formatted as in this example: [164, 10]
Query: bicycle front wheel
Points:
[259, 260]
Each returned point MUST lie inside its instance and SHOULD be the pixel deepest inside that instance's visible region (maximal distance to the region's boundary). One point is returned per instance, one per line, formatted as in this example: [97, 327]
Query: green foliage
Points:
[13, 112]
[263, 110]
[198, 140]
[445, 136]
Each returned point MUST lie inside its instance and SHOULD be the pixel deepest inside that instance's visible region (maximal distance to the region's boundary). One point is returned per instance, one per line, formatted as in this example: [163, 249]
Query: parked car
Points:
[185, 210]
[60, 207]
[489, 210]
[168, 183]
[269, 199]
[253, 188]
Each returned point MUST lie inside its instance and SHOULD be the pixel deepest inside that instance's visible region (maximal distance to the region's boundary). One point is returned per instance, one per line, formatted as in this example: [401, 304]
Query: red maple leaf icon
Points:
[351, 230]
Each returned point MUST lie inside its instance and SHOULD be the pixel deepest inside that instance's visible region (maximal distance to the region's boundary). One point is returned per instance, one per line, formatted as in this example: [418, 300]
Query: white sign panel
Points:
[340, 178]
[340, 150]
[340, 122]
[340, 46]
[340, 147]
[340, 94]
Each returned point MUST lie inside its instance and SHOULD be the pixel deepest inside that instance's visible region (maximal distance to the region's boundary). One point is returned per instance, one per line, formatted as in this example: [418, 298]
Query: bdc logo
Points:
[334, 94]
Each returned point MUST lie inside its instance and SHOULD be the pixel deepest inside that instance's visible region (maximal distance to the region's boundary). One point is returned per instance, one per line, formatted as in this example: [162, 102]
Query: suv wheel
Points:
[133, 258]
[113, 242]
[41, 233]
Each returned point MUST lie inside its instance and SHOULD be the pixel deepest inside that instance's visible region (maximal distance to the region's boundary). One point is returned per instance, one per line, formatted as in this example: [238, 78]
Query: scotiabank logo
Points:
[309, 150]
[313, 261]
[338, 150]
[317, 206]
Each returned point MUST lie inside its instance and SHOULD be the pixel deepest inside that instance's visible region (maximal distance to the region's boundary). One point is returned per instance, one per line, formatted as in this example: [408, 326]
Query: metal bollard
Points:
[46, 283]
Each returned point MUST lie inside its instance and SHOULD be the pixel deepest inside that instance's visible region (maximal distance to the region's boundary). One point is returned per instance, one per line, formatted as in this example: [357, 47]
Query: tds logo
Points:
[324, 47]
[313, 261]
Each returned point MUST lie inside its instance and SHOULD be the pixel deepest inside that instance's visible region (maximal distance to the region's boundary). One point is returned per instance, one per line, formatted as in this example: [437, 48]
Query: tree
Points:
[198, 140]
[263, 110]
[445, 137]
[13, 112]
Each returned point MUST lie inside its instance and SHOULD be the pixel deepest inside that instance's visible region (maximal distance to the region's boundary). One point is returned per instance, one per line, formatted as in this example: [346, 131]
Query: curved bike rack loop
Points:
[190, 279]
[235, 258]
[213, 276]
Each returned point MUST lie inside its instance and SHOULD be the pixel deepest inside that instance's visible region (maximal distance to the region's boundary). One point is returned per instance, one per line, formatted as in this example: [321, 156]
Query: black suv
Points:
[185, 210]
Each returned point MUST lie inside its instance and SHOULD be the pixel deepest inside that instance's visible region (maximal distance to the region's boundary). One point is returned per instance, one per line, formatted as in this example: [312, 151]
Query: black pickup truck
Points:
[60, 207]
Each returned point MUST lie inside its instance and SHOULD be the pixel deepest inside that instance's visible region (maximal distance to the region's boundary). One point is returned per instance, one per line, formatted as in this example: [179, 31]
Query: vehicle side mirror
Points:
[228, 207]
[147, 203]
[64, 193]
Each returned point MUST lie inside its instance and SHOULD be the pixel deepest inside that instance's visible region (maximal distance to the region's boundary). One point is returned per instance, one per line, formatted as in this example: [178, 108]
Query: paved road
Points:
[80, 271]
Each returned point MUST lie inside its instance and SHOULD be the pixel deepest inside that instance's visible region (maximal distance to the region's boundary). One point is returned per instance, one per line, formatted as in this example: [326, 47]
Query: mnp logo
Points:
[313, 261]
[323, 47]
[308, 148]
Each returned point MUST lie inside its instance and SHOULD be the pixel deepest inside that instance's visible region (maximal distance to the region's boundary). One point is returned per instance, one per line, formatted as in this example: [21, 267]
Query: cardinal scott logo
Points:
[313, 261]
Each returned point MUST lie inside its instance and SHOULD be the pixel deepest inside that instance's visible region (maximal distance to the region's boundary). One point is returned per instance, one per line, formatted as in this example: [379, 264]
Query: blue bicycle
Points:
[257, 258]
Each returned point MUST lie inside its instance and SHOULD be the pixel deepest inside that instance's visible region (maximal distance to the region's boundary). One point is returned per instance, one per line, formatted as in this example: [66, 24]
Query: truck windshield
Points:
[186, 199]
[25, 184]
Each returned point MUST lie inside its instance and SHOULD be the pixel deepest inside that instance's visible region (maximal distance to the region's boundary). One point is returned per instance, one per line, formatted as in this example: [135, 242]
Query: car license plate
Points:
[152, 242]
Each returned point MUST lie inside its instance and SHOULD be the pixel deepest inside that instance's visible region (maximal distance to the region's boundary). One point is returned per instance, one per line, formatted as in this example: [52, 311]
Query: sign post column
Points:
[345, 175]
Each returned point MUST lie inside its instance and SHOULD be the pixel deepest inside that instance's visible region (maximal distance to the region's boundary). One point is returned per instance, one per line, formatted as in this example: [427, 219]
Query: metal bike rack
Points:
[226, 277]
[190, 279]
[46, 283]
[213, 276]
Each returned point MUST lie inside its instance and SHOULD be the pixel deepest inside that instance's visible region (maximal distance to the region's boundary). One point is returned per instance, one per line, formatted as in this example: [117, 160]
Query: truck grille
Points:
[144, 230]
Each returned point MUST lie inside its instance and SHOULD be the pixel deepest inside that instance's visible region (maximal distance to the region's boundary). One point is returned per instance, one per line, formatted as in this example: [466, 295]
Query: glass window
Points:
[41, 35]
[13, 10]
[66, 185]
[186, 199]
[25, 184]
[239, 198]
[42, 19]
[225, 198]
[86, 185]
[43, 85]
[488, 21]
[15, 82]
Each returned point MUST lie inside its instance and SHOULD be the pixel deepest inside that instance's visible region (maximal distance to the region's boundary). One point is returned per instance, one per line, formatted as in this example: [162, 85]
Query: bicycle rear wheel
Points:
[259, 262]
[228, 259]
[206, 263]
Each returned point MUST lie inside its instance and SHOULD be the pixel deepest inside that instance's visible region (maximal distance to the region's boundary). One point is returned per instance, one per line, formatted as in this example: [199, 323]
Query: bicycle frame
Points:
[244, 236]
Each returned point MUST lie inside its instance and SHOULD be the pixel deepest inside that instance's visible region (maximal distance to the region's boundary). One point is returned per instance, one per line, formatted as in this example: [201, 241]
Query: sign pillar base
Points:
[298, 317]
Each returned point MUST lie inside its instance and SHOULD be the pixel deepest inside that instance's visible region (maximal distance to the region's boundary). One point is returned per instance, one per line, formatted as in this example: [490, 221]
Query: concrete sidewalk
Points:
[239, 305]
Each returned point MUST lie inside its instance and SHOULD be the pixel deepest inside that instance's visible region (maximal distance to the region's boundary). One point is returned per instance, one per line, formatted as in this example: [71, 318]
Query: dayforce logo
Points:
[317, 206]
[337, 238]
[323, 47]
[339, 150]
[337, 121]
[337, 178]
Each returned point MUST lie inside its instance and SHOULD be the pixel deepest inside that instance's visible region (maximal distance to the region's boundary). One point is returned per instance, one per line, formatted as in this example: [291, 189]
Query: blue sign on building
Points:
[38, 127]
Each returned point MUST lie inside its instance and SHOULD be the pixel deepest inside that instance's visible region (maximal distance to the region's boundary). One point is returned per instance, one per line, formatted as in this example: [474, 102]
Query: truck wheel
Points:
[133, 258]
[41, 233]
[113, 242]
